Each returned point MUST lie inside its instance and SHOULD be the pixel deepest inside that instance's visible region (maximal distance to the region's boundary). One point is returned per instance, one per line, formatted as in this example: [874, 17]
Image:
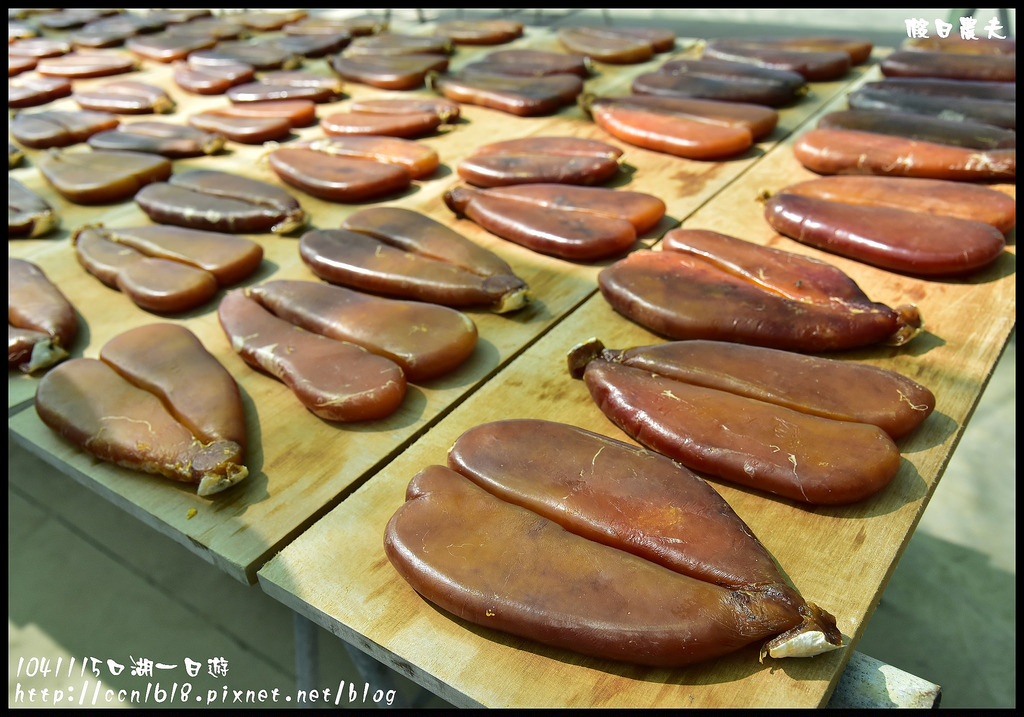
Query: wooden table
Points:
[841, 558]
[319, 494]
[301, 466]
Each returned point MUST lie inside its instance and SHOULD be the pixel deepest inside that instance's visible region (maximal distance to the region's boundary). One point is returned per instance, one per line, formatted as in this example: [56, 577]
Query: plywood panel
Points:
[300, 465]
[838, 557]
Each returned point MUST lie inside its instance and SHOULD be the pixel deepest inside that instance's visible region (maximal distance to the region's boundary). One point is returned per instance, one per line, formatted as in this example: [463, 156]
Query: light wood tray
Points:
[841, 558]
[301, 466]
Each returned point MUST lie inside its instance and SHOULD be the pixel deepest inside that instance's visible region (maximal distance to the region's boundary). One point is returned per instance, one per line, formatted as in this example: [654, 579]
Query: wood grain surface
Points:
[300, 465]
[319, 494]
[841, 558]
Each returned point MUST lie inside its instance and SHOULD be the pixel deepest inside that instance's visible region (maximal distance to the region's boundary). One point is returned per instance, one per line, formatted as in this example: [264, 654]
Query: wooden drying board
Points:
[683, 184]
[841, 558]
[301, 466]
